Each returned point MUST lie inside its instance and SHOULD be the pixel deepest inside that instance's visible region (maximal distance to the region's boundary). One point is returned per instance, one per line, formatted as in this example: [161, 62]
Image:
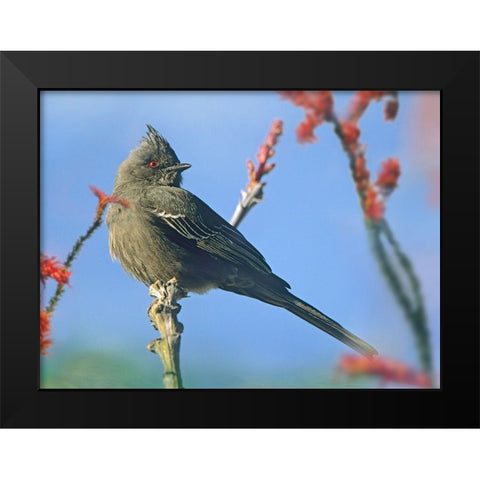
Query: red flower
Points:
[387, 370]
[361, 173]
[265, 152]
[305, 129]
[388, 177]
[275, 131]
[372, 206]
[321, 103]
[51, 268]
[104, 200]
[45, 329]
[318, 107]
[350, 133]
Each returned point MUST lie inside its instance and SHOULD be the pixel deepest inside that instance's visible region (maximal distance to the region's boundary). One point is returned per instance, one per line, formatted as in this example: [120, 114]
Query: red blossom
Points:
[265, 152]
[388, 177]
[318, 101]
[321, 103]
[350, 133]
[361, 173]
[104, 200]
[387, 370]
[318, 106]
[51, 268]
[45, 329]
[305, 129]
[372, 206]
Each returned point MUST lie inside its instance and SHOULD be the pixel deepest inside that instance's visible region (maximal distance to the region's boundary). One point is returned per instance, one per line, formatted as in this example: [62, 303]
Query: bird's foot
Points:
[167, 293]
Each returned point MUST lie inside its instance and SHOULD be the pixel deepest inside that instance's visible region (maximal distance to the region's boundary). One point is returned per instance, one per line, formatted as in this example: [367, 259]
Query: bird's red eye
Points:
[153, 164]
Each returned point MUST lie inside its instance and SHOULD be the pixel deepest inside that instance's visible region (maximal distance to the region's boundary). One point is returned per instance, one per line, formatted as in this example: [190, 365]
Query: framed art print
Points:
[292, 190]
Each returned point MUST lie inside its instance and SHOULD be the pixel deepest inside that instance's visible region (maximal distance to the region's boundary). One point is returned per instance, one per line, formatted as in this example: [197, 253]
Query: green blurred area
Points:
[85, 369]
[91, 370]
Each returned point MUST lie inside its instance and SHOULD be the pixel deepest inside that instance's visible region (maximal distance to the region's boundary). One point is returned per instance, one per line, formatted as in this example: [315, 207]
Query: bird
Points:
[168, 232]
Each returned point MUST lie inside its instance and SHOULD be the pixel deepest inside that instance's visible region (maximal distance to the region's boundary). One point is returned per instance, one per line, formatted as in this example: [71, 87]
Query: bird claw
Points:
[167, 293]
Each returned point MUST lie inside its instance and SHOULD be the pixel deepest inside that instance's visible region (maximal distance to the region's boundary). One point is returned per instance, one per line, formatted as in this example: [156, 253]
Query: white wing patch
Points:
[167, 215]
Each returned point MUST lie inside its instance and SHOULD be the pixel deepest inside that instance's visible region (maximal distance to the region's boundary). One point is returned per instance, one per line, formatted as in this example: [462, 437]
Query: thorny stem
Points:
[103, 201]
[163, 315]
[416, 311]
[413, 307]
[68, 262]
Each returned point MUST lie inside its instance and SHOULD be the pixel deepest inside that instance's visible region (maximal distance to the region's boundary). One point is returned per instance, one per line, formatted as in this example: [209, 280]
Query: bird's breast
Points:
[150, 250]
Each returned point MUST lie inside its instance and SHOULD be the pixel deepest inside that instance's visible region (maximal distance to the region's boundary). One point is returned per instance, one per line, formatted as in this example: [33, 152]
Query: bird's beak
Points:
[180, 167]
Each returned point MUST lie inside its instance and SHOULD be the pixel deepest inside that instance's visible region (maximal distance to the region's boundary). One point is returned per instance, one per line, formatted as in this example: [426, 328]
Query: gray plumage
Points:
[169, 232]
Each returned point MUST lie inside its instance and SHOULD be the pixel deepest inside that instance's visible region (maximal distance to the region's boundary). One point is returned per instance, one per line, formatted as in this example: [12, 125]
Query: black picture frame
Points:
[25, 74]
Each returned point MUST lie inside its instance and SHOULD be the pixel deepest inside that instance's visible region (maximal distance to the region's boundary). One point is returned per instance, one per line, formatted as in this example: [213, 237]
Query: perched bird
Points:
[169, 232]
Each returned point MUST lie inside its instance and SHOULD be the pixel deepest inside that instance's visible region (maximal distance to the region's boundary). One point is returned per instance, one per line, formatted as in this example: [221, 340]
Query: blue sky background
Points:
[309, 228]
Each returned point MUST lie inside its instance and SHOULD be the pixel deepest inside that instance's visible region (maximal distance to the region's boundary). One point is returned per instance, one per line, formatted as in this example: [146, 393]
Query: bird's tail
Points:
[321, 321]
[305, 311]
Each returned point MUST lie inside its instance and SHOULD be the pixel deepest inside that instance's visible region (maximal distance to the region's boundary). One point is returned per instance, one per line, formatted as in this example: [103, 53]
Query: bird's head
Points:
[153, 162]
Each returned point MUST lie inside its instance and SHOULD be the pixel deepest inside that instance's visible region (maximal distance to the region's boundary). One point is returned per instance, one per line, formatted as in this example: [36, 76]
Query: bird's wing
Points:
[194, 220]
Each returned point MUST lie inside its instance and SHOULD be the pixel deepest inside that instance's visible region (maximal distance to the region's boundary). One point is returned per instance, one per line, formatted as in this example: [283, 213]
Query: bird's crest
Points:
[158, 144]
